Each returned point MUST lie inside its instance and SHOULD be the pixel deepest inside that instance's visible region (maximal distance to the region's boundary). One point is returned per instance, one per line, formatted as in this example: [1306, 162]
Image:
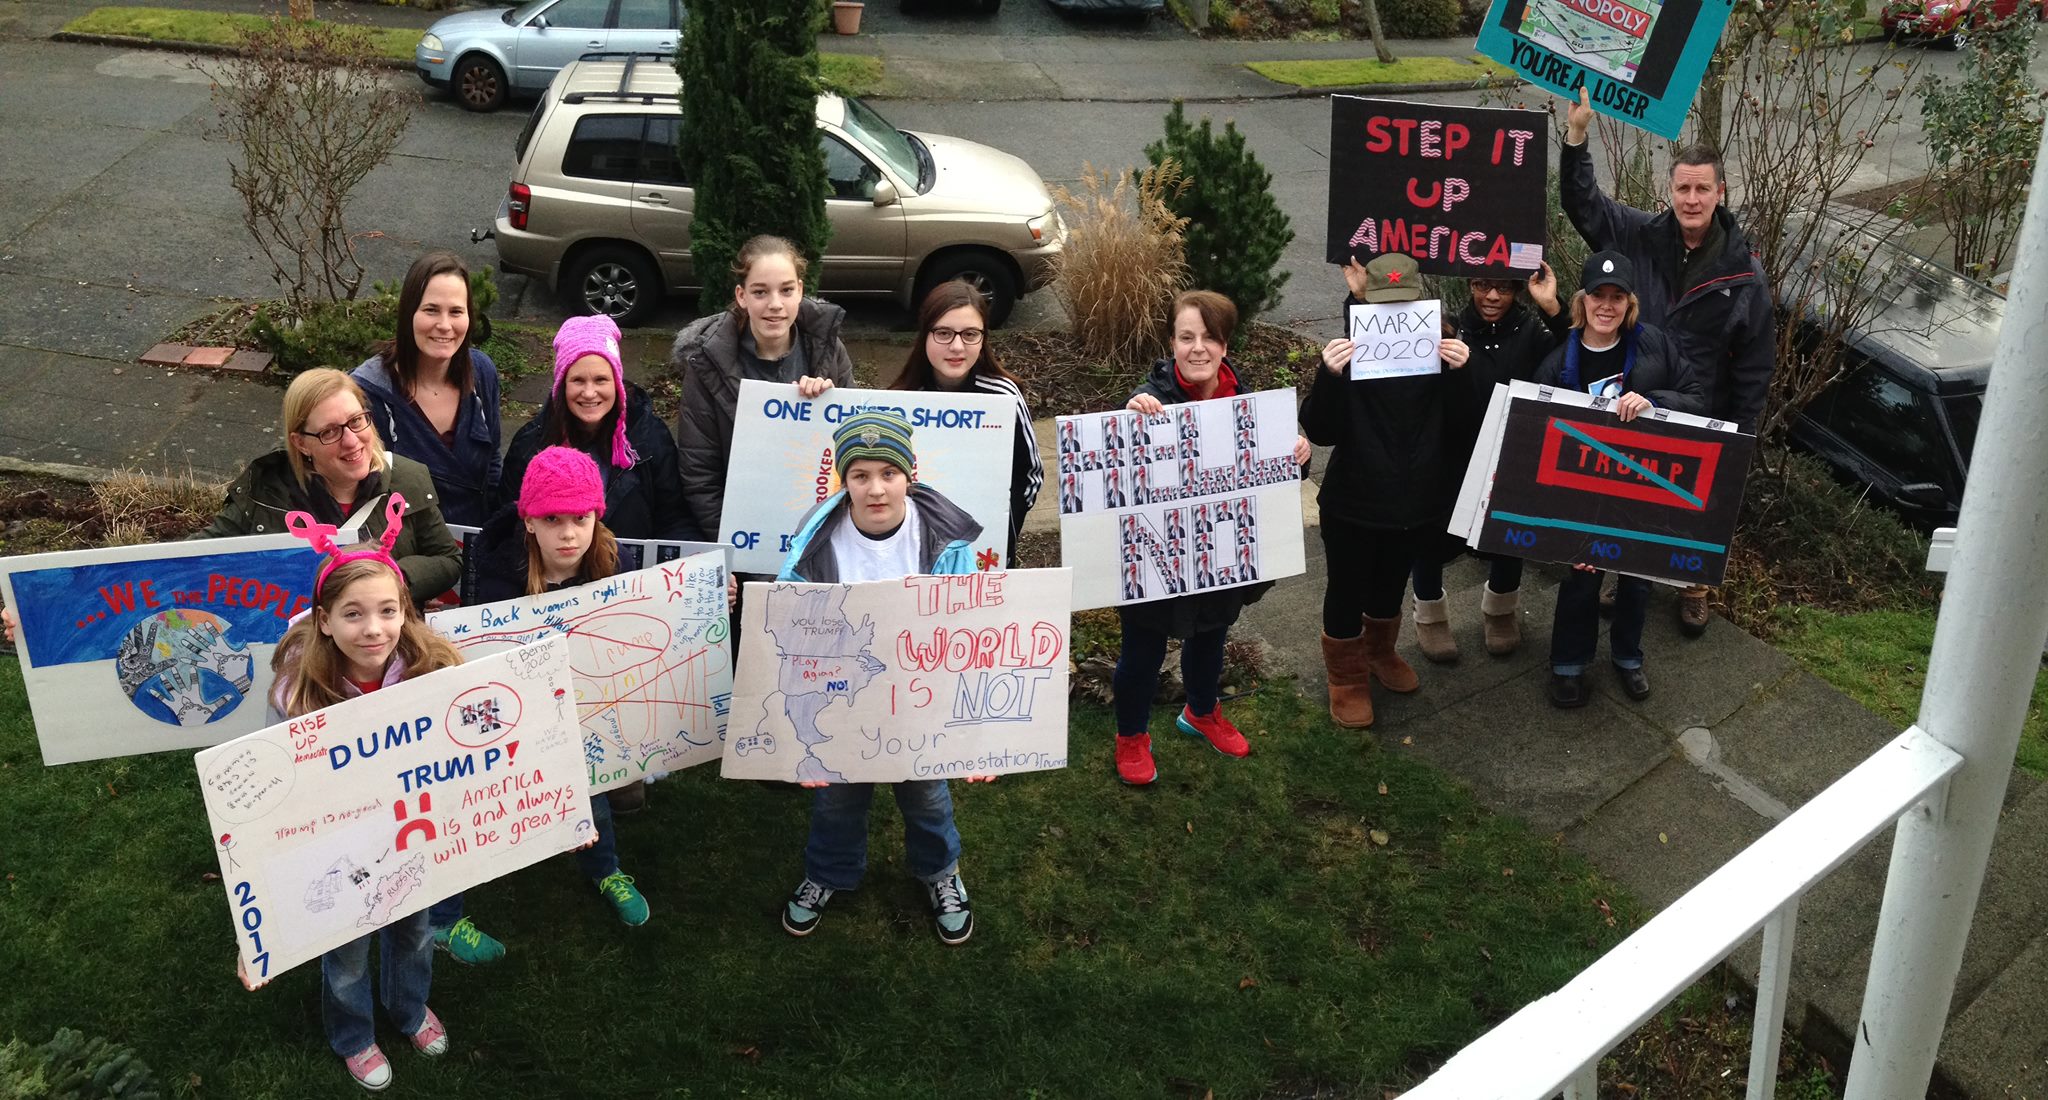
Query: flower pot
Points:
[846, 16]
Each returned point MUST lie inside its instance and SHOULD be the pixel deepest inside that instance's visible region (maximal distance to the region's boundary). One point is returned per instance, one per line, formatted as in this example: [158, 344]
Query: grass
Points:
[1322, 919]
[212, 28]
[850, 74]
[1879, 658]
[1350, 72]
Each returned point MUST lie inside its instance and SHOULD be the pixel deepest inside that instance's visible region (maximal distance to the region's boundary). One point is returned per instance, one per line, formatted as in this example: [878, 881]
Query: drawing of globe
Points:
[179, 668]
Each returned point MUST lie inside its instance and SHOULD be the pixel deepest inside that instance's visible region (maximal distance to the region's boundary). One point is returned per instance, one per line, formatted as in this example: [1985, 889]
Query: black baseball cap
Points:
[1607, 269]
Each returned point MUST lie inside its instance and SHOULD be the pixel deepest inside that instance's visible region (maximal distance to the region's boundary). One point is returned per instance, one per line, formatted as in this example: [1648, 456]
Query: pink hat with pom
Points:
[596, 335]
[561, 481]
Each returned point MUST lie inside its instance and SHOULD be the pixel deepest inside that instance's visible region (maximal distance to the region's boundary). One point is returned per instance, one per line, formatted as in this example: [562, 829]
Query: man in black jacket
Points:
[1696, 277]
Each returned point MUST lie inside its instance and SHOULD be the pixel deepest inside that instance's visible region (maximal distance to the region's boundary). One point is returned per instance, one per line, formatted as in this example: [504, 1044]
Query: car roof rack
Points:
[623, 94]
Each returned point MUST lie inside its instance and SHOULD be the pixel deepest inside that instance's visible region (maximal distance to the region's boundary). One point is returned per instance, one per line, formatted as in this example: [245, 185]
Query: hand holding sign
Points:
[1394, 339]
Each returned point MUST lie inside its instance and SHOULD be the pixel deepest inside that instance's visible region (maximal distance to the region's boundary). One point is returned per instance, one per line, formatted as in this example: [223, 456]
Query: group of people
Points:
[1671, 313]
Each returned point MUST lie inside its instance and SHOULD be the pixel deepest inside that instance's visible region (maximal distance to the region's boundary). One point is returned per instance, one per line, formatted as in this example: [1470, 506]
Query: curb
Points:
[179, 46]
[1294, 92]
[84, 475]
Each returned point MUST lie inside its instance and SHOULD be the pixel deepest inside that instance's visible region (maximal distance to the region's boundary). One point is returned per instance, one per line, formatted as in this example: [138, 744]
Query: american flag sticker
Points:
[1529, 257]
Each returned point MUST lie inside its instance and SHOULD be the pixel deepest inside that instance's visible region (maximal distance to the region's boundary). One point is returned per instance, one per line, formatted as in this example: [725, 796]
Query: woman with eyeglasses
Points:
[332, 465]
[952, 354]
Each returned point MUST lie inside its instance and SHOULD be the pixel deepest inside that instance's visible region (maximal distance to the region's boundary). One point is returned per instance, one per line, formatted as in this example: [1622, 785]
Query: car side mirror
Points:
[540, 23]
[1923, 494]
[885, 193]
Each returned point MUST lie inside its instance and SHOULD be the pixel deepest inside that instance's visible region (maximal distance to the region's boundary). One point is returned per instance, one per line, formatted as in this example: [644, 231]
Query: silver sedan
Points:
[486, 56]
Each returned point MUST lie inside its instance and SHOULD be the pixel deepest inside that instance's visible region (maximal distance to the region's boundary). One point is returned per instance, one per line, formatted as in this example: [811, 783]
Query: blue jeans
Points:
[836, 856]
[442, 915]
[346, 1009]
[1503, 575]
[1575, 629]
[1136, 679]
[600, 860]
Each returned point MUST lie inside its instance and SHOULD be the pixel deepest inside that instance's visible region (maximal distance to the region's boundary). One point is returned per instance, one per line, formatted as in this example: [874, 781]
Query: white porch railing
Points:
[1556, 1043]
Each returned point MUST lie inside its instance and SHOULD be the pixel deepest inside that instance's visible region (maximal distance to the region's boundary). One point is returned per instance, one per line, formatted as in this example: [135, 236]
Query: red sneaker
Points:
[1134, 759]
[1216, 729]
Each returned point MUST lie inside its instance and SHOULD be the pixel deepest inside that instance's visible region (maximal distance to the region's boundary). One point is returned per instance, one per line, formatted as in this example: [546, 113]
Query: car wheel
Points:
[479, 83]
[620, 283]
[989, 272]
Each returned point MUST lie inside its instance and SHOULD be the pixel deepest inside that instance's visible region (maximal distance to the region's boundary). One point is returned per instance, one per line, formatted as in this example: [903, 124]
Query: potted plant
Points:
[846, 16]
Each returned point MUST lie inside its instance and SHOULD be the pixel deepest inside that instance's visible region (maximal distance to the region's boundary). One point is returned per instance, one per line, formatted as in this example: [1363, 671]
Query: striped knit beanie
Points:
[875, 433]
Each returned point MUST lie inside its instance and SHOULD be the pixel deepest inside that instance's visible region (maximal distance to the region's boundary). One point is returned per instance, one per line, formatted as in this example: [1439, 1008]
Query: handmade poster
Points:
[331, 825]
[1394, 339]
[634, 554]
[1461, 189]
[1655, 497]
[1199, 496]
[135, 649]
[649, 658]
[920, 678]
[1641, 60]
[964, 444]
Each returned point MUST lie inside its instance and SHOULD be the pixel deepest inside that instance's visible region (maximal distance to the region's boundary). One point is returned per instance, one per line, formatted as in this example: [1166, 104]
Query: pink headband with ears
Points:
[321, 537]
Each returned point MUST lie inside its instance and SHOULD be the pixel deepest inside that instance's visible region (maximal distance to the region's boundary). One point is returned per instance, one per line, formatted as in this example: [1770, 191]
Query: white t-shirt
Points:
[886, 559]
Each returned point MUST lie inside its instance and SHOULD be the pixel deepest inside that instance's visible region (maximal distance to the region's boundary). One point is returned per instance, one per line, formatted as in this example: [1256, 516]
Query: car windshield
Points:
[1964, 410]
[525, 11]
[895, 148]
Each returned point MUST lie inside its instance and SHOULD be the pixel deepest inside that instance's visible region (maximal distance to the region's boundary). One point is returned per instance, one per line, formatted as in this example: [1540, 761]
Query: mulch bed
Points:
[1059, 380]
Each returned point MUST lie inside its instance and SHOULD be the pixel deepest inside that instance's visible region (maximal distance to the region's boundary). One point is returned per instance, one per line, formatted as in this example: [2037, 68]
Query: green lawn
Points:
[1322, 918]
[1349, 72]
[1879, 658]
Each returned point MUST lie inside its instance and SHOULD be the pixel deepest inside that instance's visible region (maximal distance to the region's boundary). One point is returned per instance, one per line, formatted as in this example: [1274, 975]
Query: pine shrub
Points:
[72, 1067]
[1235, 230]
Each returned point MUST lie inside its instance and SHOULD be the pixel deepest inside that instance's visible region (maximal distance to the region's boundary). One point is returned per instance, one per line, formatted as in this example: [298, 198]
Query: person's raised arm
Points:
[1602, 221]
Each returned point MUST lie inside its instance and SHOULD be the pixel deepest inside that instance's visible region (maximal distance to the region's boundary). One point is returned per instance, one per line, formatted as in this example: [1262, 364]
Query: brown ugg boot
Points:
[1433, 631]
[1350, 683]
[1380, 657]
[1502, 612]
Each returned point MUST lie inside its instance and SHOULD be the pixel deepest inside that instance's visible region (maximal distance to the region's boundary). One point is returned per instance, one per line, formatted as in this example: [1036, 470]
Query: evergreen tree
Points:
[1235, 230]
[749, 139]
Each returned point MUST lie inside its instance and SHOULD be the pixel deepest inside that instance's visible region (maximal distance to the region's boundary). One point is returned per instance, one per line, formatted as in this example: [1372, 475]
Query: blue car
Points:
[487, 56]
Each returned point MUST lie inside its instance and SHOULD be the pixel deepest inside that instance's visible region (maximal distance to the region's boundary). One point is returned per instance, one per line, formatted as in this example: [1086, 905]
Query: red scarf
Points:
[1226, 381]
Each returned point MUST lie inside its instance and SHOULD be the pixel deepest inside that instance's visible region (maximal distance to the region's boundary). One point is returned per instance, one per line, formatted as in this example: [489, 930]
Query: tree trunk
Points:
[1379, 37]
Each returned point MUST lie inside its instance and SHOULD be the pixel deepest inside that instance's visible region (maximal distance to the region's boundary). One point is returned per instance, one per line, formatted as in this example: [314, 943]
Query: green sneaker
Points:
[468, 944]
[617, 888]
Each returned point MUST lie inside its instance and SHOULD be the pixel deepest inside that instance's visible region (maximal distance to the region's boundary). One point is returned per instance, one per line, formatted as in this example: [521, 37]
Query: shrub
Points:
[343, 334]
[1982, 130]
[1416, 18]
[1235, 230]
[72, 1067]
[1123, 261]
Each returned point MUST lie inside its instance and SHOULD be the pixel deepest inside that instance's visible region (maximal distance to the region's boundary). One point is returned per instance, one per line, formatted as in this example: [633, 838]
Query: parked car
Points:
[487, 56]
[1903, 418]
[1949, 21]
[598, 208]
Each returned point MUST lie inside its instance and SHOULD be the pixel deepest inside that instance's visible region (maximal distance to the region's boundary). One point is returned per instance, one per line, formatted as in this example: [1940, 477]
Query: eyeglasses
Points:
[1479, 287]
[967, 336]
[328, 437]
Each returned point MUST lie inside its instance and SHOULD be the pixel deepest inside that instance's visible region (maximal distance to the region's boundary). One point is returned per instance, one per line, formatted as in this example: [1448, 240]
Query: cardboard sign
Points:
[134, 649]
[336, 823]
[1394, 339]
[634, 555]
[1641, 60]
[782, 462]
[649, 654]
[1201, 495]
[1461, 189]
[920, 678]
[1655, 497]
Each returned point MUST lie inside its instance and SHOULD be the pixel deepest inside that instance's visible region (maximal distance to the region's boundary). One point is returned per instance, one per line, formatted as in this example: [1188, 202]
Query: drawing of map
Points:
[824, 658]
[392, 890]
[1609, 36]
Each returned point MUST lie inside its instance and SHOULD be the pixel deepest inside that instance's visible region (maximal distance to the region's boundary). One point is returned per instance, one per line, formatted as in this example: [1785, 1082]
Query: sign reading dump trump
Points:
[920, 678]
[1640, 60]
[1199, 496]
[648, 655]
[336, 823]
[135, 649]
[1461, 189]
[782, 462]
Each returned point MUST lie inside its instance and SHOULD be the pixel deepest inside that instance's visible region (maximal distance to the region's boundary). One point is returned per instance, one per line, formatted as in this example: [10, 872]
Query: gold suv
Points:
[599, 210]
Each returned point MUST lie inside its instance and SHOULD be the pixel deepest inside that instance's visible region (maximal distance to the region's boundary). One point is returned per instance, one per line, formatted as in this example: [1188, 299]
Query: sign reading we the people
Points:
[927, 677]
[1639, 60]
[782, 464]
[1199, 496]
[648, 653]
[135, 649]
[332, 825]
[1460, 189]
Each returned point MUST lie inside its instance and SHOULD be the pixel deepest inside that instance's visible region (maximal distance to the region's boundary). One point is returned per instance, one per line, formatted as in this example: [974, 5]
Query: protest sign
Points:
[1640, 60]
[134, 649]
[1655, 497]
[1461, 189]
[634, 555]
[1394, 339]
[964, 444]
[336, 823]
[1145, 501]
[941, 677]
[648, 653]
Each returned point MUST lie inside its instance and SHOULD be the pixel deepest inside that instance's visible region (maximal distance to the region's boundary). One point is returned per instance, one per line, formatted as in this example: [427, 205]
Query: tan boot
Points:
[1386, 664]
[1350, 683]
[1502, 612]
[1433, 631]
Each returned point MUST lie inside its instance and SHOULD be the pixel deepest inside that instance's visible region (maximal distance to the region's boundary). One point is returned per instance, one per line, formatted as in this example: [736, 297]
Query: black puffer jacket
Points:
[706, 356]
[1503, 351]
[1659, 372]
[1392, 465]
[643, 502]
